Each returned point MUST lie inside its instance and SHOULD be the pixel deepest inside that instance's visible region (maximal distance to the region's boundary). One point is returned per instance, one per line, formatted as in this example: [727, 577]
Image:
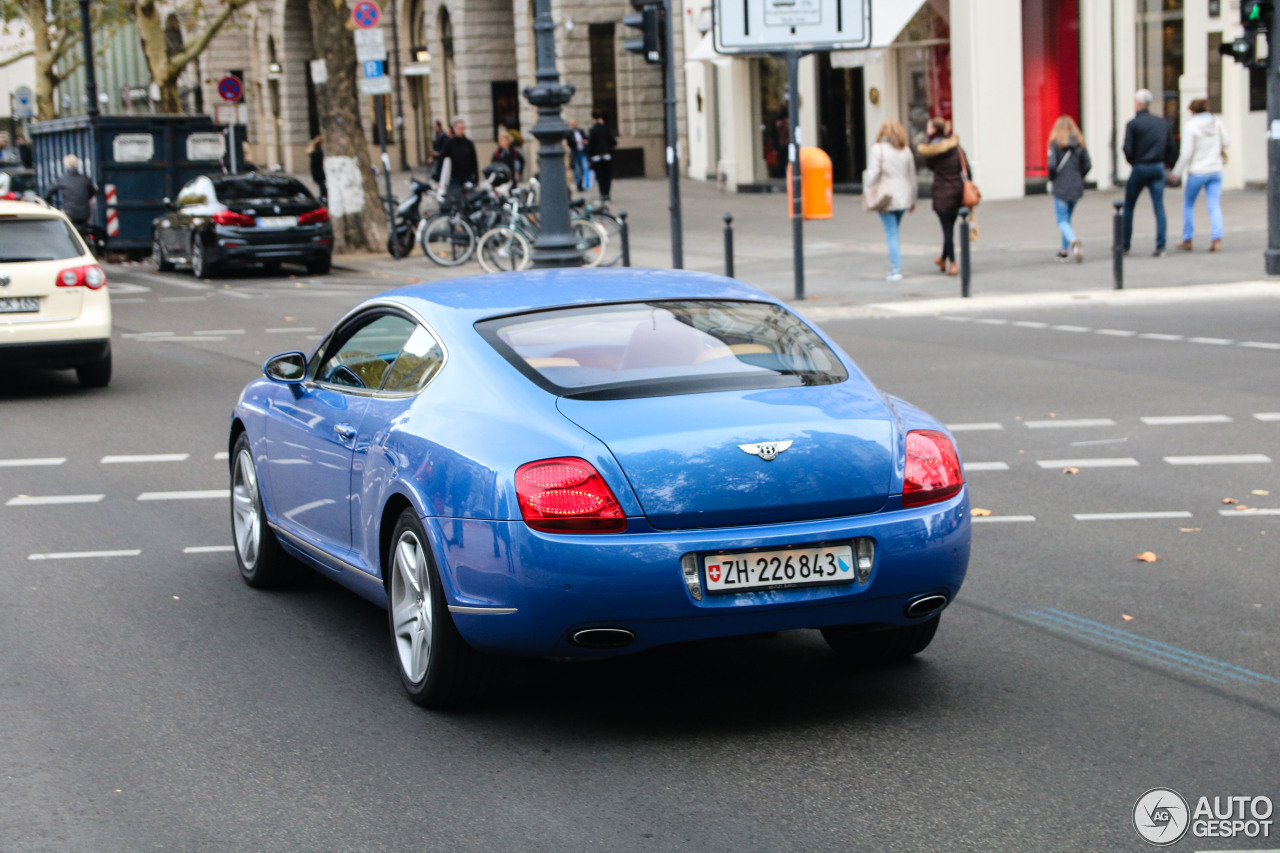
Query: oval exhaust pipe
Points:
[603, 638]
[925, 605]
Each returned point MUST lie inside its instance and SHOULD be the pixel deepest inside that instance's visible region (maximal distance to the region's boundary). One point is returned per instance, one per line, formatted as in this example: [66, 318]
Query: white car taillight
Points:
[90, 276]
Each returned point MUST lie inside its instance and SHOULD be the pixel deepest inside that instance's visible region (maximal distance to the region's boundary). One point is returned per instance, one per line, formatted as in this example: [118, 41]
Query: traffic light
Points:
[649, 21]
[1255, 15]
[1242, 50]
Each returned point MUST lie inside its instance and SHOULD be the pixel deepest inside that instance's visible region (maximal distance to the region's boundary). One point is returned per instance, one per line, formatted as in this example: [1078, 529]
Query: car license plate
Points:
[822, 564]
[277, 221]
[19, 305]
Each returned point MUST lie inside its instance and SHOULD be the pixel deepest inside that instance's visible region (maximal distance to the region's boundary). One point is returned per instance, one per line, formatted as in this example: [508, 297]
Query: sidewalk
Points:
[846, 259]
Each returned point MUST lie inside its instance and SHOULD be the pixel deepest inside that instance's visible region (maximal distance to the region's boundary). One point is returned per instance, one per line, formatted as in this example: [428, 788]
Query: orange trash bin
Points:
[815, 185]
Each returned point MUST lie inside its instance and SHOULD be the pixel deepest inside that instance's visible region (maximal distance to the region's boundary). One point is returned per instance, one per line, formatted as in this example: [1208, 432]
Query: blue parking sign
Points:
[373, 68]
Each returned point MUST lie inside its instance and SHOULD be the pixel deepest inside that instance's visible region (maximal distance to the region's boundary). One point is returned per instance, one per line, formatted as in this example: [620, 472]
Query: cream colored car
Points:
[54, 309]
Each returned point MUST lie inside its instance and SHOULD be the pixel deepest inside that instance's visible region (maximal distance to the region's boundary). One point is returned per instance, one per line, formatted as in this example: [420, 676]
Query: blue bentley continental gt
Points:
[583, 463]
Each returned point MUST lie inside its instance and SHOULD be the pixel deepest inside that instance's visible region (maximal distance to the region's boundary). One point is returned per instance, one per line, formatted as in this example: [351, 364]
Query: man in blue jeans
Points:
[1149, 148]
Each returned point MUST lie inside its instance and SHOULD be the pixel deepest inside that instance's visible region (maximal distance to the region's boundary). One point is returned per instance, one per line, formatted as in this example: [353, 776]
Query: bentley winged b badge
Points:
[766, 450]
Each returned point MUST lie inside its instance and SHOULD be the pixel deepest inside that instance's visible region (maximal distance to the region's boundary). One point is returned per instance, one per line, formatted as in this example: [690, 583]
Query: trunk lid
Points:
[683, 458]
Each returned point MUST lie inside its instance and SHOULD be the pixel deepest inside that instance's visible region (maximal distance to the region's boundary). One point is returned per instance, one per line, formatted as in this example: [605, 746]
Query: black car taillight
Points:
[314, 217]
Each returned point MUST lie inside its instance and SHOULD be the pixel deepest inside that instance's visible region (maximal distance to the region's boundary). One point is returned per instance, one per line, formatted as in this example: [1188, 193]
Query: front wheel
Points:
[612, 226]
[870, 648]
[405, 239]
[263, 563]
[503, 250]
[591, 241]
[157, 255]
[437, 668]
[448, 240]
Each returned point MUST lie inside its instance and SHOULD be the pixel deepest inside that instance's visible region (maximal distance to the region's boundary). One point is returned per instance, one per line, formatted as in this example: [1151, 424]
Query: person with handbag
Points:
[1202, 159]
[1068, 164]
[952, 180]
[889, 187]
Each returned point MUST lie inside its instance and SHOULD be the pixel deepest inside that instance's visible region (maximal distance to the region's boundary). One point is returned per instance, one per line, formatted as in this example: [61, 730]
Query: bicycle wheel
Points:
[503, 250]
[448, 240]
[591, 241]
[613, 230]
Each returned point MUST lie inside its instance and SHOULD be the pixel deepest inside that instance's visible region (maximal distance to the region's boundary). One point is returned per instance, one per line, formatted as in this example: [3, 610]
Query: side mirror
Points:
[289, 368]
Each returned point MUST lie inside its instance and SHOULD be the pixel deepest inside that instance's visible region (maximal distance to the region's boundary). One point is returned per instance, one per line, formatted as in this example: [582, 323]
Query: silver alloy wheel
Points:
[197, 257]
[245, 517]
[157, 251]
[412, 612]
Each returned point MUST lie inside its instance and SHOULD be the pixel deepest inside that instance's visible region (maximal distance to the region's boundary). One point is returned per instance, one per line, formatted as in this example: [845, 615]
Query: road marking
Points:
[953, 319]
[207, 549]
[986, 466]
[45, 500]
[992, 321]
[1115, 333]
[974, 427]
[153, 457]
[219, 332]
[1249, 511]
[1176, 420]
[1070, 328]
[169, 280]
[1232, 459]
[1100, 441]
[1157, 336]
[183, 338]
[1030, 324]
[235, 294]
[129, 301]
[1139, 646]
[1217, 342]
[80, 555]
[182, 299]
[1259, 345]
[1128, 516]
[208, 494]
[994, 519]
[124, 287]
[1084, 422]
[221, 455]
[146, 334]
[31, 463]
[1267, 416]
[1106, 462]
[305, 329]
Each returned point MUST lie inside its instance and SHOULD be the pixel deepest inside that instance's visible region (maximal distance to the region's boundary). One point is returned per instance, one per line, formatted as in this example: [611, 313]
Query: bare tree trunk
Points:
[165, 66]
[46, 75]
[355, 205]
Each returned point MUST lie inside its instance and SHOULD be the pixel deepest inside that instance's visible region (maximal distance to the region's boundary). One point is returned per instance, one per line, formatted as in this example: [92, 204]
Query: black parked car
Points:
[221, 220]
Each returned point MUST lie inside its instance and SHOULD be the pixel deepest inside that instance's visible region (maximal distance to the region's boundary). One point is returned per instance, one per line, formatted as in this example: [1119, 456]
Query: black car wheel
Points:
[320, 266]
[157, 254]
[95, 374]
[200, 266]
[879, 647]
[263, 563]
[436, 666]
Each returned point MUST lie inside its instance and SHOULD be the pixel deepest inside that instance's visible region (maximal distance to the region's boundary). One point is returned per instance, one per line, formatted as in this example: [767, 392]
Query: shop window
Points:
[1160, 55]
[923, 52]
[1050, 74]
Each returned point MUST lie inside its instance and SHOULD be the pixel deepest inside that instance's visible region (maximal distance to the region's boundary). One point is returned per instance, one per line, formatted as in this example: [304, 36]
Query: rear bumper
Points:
[252, 254]
[59, 355]
[554, 585]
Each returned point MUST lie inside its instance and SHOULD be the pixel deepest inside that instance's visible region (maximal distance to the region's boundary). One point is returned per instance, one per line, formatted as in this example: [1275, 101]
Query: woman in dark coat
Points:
[942, 156]
[315, 153]
[1068, 164]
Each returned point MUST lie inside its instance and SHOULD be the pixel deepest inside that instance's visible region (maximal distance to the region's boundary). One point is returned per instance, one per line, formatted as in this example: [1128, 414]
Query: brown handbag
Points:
[971, 195]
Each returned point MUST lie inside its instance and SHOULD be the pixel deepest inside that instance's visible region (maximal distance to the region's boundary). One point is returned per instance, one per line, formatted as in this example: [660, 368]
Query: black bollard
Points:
[626, 239]
[1117, 245]
[964, 252]
[728, 245]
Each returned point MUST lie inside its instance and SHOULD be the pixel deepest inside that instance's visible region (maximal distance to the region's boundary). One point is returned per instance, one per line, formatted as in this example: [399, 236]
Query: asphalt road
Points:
[149, 700]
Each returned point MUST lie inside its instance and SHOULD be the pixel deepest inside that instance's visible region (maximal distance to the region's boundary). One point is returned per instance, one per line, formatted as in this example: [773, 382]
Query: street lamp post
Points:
[90, 82]
[555, 245]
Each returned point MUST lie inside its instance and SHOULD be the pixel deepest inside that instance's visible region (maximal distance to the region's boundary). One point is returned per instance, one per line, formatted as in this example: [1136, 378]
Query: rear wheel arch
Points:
[237, 427]
[395, 505]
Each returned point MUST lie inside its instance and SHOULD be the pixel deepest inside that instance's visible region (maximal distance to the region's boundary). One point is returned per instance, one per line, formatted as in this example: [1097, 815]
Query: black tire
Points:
[95, 374]
[612, 226]
[271, 268]
[448, 240]
[157, 255]
[406, 244]
[201, 267]
[437, 668]
[320, 266]
[871, 648]
[263, 563]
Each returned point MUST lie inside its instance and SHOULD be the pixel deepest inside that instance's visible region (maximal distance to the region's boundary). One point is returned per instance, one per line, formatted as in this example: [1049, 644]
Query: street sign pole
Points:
[793, 157]
[380, 116]
[673, 141]
[1273, 142]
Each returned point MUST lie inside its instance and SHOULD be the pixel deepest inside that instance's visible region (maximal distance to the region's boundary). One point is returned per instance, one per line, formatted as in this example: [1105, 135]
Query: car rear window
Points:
[37, 239]
[260, 186]
[640, 349]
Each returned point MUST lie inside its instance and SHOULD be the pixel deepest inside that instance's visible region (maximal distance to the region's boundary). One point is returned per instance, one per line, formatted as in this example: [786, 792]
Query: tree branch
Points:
[17, 57]
[195, 48]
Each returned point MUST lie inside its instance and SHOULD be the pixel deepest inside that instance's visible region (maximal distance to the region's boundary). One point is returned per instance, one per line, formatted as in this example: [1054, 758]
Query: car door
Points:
[313, 428]
[192, 201]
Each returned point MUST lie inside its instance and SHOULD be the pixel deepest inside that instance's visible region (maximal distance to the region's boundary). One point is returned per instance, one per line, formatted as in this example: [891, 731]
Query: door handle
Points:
[346, 432]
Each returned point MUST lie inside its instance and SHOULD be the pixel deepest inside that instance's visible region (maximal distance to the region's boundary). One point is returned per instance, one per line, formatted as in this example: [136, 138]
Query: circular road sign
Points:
[230, 88]
[366, 14]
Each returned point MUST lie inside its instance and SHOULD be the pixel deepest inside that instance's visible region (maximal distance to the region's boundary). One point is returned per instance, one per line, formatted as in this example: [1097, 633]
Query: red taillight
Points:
[90, 276]
[933, 468]
[230, 217]
[567, 496]
[314, 217]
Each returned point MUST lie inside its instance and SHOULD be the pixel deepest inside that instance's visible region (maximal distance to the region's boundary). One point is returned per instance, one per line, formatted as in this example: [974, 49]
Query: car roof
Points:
[28, 208]
[517, 292]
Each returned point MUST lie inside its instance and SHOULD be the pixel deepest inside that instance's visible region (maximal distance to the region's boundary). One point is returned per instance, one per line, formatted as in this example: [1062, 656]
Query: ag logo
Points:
[1161, 817]
[713, 572]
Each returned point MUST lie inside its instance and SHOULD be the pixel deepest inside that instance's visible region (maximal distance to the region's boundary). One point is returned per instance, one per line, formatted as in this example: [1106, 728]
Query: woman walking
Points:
[1068, 164]
[893, 166]
[1202, 159]
[943, 155]
[315, 157]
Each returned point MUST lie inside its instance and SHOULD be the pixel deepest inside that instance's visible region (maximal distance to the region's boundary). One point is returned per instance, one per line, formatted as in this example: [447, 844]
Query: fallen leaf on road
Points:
[1189, 529]
[1230, 501]
[1126, 617]
[1071, 470]
[1146, 557]
[980, 513]
[288, 319]
[1260, 492]
[1243, 508]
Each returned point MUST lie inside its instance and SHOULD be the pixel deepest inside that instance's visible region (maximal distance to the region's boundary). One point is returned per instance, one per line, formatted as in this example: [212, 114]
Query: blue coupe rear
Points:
[593, 462]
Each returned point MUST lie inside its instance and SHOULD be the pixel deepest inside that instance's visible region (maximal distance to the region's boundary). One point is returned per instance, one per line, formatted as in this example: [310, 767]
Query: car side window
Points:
[190, 194]
[420, 360]
[365, 357]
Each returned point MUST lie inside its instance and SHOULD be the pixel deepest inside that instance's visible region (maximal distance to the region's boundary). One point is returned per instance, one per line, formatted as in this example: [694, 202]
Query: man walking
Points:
[600, 145]
[1149, 148]
[577, 142]
[73, 192]
[461, 152]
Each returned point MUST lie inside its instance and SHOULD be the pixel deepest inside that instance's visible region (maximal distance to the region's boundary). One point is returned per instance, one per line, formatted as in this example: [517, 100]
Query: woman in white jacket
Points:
[893, 162]
[1202, 158]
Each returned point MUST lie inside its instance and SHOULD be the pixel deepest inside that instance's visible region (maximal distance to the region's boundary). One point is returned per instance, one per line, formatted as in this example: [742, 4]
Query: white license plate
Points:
[277, 221]
[822, 564]
[19, 305]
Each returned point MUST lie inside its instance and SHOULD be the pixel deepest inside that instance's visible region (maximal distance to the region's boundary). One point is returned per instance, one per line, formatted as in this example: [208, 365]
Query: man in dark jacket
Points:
[1149, 148]
[73, 192]
[461, 152]
[600, 145]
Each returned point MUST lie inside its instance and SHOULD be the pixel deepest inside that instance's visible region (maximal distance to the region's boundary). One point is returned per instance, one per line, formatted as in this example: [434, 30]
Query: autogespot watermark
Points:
[1162, 817]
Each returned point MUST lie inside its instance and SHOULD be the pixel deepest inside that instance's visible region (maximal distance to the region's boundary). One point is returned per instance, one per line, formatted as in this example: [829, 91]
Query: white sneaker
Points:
[1077, 251]
[894, 275]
